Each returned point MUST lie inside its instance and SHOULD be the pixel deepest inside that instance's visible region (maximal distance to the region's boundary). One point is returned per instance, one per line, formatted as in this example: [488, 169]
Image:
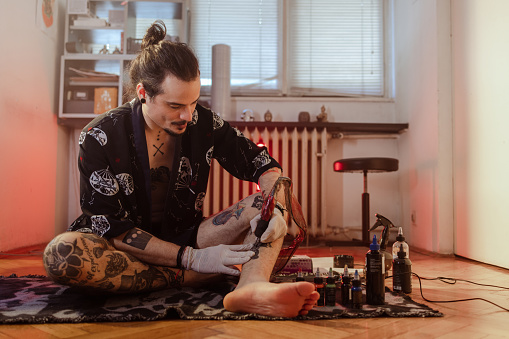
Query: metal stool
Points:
[366, 165]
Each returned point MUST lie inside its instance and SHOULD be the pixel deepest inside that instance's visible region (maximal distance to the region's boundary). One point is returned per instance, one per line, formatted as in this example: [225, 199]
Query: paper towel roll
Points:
[220, 88]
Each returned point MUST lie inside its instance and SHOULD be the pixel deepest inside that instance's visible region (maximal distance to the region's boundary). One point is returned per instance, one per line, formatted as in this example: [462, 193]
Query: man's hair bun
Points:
[155, 34]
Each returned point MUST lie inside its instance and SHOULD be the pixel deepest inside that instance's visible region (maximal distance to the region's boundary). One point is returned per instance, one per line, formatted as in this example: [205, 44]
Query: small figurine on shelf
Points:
[104, 50]
[322, 117]
[247, 115]
[268, 116]
[304, 117]
[117, 51]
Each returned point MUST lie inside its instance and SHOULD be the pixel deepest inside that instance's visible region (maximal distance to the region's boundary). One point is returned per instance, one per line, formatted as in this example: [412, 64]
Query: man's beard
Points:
[175, 134]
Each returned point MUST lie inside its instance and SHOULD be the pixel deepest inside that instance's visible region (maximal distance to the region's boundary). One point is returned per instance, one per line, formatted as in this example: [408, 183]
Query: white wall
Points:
[344, 190]
[423, 92]
[481, 101]
[28, 128]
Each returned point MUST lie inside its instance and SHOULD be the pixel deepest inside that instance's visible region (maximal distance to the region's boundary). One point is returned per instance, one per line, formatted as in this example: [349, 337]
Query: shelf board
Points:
[90, 28]
[90, 56]
[94, 83]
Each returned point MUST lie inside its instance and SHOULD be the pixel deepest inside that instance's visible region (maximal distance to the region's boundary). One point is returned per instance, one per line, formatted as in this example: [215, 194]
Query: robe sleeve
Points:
[237, 154]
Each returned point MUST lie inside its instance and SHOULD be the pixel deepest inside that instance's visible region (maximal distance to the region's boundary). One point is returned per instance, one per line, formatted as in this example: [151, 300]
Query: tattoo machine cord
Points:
[29, 253]
[452, 281]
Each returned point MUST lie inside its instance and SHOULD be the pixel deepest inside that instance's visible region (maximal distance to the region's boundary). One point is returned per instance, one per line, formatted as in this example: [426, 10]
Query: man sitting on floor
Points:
[144, 170]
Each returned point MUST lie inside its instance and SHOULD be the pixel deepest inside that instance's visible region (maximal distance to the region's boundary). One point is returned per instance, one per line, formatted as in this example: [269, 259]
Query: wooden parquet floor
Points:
[469, 319]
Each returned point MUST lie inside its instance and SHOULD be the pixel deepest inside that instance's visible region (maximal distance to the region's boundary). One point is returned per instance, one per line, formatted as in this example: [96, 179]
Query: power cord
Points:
[28, 254]
[453, 281]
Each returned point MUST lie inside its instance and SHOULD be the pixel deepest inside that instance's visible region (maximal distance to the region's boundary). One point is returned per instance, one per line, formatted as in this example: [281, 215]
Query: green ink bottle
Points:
[330, 290]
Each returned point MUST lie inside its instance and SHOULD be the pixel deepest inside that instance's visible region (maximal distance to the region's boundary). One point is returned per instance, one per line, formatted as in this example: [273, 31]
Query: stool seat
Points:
[366, 164]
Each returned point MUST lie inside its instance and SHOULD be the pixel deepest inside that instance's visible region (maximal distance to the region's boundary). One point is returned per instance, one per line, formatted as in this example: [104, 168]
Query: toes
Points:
[303, 312]
[305, 289]
[307, 307]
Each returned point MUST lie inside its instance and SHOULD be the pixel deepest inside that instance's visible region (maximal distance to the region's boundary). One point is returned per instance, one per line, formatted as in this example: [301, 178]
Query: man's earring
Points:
[143, 100]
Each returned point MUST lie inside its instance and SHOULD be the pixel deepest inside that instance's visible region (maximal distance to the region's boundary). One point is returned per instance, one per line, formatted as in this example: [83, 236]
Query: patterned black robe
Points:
[115, 175]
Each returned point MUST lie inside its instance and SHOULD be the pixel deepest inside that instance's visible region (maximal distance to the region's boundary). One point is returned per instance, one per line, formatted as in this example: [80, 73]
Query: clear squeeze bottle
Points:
[375, 273]
[400, 240]
[402, 273]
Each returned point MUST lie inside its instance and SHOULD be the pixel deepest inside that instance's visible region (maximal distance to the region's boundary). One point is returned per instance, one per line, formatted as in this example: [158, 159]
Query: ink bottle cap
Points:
[330, 278]
[318, 279]
[400, 236]
[400, 240]
[299, 277]
[346, 276]
[374, 246]
[401, 252]
[356, 276]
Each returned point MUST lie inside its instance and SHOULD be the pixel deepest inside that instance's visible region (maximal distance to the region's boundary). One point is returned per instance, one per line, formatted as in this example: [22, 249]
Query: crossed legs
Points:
[92, 263]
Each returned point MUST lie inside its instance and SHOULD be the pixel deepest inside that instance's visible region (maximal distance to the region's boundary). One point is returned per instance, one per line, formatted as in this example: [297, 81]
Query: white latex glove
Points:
[277, 227]
[217, 259]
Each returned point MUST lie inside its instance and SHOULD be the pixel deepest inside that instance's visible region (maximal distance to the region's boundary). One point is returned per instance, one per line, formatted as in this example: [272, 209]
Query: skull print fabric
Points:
[115, 181]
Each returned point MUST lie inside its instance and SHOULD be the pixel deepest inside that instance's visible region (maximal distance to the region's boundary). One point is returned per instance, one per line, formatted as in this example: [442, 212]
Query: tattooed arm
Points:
[214, 259]
[147, 247]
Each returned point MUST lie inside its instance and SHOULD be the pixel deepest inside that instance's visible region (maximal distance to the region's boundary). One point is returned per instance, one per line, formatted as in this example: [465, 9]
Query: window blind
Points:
[250, 28]
[336, 47]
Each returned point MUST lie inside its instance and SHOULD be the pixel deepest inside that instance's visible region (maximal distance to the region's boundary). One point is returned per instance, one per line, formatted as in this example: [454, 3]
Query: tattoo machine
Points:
[268, 207]
[294, 209]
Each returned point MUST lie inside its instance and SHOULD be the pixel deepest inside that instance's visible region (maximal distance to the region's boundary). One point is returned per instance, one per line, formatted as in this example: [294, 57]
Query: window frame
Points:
[284, 65]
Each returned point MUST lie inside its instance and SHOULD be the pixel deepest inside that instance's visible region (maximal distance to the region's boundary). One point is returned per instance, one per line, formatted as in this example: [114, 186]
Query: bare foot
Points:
[278, 300]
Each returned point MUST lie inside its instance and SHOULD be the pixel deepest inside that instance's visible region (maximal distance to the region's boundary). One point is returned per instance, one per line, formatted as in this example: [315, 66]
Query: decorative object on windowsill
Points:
[304, 117]
[322, 117]
[268, 116]
[247, 115]
[117, 51]
[104, 50]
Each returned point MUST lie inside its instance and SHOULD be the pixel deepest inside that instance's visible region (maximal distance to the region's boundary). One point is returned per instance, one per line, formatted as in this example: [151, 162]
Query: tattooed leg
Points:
[92, 263]
[231, 225]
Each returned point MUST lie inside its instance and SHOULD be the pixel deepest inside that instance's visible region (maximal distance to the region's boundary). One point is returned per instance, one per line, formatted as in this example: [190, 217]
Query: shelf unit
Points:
[107, 44]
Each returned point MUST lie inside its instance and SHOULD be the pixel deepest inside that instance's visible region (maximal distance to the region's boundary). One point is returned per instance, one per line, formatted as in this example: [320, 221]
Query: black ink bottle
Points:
[320, 288]
[330, 290]
[375, 273]
[356, 291]
[402, 272]
[346, 288]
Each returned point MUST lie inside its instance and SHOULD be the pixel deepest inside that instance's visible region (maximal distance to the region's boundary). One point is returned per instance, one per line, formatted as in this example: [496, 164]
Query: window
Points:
[331, 47]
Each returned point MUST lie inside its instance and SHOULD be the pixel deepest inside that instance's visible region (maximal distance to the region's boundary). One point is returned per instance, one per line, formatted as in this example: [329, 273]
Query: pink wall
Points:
[28, 127]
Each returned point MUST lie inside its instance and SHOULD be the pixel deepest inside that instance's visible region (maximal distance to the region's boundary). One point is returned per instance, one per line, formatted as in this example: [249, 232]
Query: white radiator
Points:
[303, 155]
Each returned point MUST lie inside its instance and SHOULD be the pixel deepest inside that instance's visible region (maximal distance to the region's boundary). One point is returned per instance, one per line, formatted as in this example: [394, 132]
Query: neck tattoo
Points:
[158, 149]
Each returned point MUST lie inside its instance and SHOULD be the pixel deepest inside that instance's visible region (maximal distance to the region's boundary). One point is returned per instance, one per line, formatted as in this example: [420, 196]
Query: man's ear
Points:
[140, 91]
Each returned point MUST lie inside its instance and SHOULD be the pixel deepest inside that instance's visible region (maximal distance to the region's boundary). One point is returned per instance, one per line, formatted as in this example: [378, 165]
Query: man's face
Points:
[173, 108]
